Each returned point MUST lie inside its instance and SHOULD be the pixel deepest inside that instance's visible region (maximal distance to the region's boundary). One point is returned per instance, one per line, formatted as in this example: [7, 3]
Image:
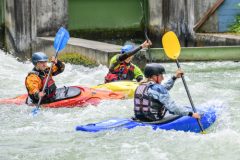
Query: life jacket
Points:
[123, 72]
[50, 89]
[145, 107]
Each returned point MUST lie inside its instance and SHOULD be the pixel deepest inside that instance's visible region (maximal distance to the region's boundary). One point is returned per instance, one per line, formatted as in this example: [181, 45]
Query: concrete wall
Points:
[18, 26]
[50, 16]
[221, 19]
[201, 7]
[177, 16]
[27, 19]
[2, 19]
[98, 51]
[181, 15]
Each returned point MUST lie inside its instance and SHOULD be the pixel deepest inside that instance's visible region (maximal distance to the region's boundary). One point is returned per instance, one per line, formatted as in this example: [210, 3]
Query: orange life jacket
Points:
[50, 89]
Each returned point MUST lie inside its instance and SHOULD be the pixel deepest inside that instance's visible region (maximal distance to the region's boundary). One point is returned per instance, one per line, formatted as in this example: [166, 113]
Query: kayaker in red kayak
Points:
[35, 79]
[121, 66]
[152, 100]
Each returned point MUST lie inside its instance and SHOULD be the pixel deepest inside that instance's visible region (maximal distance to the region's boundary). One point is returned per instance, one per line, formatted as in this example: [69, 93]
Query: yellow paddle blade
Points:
[171, 45]
[203, 132]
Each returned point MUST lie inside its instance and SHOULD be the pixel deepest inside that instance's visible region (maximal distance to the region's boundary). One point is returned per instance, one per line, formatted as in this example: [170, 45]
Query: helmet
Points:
[39, 57]
[127, 48]
[153, 69]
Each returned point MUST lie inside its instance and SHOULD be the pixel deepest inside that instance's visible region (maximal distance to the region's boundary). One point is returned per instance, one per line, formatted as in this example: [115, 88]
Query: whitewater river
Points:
[51, 134]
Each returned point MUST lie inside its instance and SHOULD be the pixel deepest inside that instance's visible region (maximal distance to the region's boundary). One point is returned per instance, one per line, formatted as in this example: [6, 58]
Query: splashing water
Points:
[51, 134]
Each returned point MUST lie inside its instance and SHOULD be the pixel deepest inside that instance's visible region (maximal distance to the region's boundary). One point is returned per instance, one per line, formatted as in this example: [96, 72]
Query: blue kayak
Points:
[169, 122]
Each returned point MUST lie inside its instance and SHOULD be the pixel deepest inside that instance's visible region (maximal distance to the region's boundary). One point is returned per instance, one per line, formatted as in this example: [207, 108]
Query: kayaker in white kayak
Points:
[121, 66]
[35, 79]
[152, 100]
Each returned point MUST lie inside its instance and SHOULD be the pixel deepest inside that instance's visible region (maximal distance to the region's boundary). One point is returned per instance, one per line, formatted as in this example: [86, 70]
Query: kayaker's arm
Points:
[160, 93]
[138, 75]
[169, 84]
[33, 85]
[58, 68]
[124, 56]
[172, 107]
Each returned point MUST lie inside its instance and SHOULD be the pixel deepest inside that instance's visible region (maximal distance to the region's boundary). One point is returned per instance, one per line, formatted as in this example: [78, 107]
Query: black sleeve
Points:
[174, 78]
[139, 78]
[36, 95]
[61, 66]
[124, 56]
[190, 114]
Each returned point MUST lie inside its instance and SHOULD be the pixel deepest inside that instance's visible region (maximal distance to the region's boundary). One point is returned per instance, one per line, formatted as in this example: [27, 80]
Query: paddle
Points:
[145, 22]
[60, 42]
[146, 36]
[172, 49]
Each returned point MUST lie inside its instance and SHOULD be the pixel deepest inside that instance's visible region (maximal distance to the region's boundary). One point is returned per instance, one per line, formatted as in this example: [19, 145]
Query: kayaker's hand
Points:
[41, 94]
[196, 115]
[179, 73]
[146, 44]
[54, 60]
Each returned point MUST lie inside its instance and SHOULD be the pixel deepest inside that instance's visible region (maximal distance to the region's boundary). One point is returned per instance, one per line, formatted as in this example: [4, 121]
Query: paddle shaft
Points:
[44, 87]
[189, 96]
[146, 36]
[45, 84]
[145, 21]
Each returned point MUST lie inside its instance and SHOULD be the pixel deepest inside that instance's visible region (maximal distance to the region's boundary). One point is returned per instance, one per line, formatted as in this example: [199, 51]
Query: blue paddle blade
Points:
[35, 111]
[61, 39]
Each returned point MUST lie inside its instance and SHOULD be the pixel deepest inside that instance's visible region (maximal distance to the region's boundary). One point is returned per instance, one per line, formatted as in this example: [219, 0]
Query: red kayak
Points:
[74, 96]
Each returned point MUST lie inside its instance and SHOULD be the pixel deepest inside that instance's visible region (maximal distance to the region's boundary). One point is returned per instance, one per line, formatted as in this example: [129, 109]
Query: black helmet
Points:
[153, 69]
[39, 57]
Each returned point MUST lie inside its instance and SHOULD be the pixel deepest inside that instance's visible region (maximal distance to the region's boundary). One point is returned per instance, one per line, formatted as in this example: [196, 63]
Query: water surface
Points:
[51, 134]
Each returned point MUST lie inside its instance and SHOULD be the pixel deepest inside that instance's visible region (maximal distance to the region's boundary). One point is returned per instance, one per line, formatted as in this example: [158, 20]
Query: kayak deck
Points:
[126, 87]
[87, 96]
[178, 123]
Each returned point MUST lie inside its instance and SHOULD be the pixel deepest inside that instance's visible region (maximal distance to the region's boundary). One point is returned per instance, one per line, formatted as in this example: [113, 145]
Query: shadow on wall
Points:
[2, 36]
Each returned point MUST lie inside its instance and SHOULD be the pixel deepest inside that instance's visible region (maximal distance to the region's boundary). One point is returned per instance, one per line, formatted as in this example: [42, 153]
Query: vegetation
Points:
[76, 58]
[236, 26]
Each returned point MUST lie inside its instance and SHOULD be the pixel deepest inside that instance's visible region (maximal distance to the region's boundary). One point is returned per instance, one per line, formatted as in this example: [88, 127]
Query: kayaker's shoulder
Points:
[159, 88]
[32, 74]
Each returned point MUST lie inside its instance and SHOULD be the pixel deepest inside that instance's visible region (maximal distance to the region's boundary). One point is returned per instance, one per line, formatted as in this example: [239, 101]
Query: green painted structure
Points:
[104, 14]
[220, 53]
[116, 21]
[1, 12]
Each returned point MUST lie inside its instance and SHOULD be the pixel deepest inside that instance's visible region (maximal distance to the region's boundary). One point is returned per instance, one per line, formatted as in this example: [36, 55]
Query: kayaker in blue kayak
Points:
[121, 66]
[152, 100]
[35, 79]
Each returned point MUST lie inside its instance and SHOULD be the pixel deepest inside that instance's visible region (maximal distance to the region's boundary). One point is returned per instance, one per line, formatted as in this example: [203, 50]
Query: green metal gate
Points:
[1, 12]
[106, 16]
